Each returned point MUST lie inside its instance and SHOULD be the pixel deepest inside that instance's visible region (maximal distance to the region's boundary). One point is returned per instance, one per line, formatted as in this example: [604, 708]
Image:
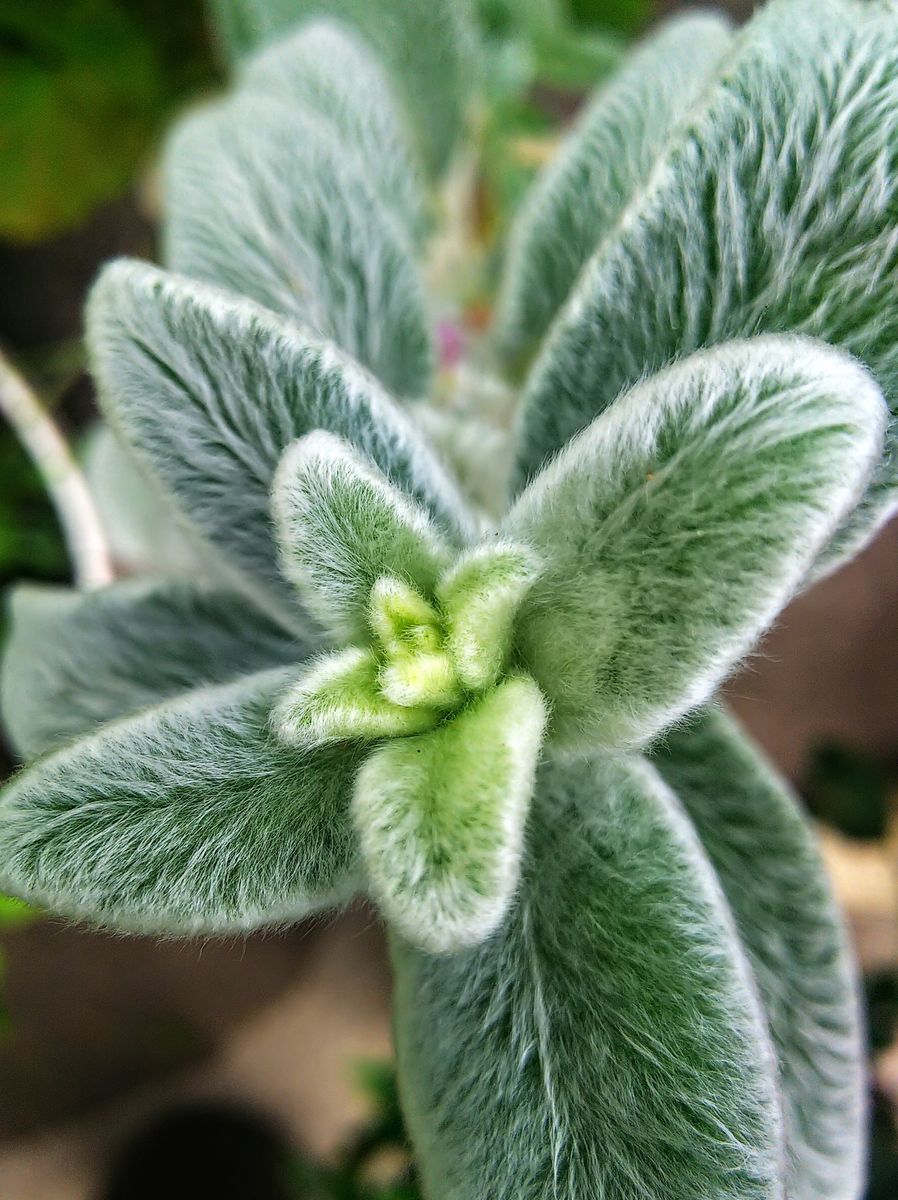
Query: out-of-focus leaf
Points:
[629, 16]
[427, 46]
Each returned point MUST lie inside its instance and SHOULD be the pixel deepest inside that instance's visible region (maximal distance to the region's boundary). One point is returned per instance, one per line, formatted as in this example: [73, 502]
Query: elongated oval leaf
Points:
[325, 68]
[774, 880]
[606, 1041]
[774, 209]
[75, 660]
[607, 157]
[187, 818]
[677, 525]
[342, 526]
[441, 818]
[426, 45]
[263, 199]
[209, 391]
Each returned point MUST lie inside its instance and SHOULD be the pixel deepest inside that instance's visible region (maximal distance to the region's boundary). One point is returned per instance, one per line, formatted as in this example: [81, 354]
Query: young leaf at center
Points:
[441, 818]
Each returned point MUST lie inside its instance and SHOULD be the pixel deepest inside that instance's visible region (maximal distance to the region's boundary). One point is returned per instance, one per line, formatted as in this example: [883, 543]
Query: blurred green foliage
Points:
[30, 542]
[84, 86]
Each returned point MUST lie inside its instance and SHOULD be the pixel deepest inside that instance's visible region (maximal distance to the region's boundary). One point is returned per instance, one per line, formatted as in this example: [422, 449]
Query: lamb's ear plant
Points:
[619, 971]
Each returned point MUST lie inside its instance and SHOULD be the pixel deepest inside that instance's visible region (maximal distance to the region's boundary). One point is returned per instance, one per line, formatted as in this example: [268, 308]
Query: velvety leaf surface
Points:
[773, 209]
[263, 199]
[426, 45]
[325, 68]
[608, 155]
[338, 699]
[606, 1041]
[341, 526]
[441, 818]
[767, 861]
[75, 660]
[678, 524]
[151, 823]
[210, 390]
[480, 599]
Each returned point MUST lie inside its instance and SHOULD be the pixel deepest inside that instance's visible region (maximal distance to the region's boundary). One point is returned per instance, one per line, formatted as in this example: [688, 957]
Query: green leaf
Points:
[426, 46]
[263, 199]
[771, 210]
[417, 669]
[578, 200]
[441, 818]
[325, 68]
[524, 16]
[768, 863]
[209, 391]
[188, 818]
[607, 1040]
[75, 660]
[575, 59]
[145, 533]
[341, 526]
[675, 528]
[338, 699]
[480, 599]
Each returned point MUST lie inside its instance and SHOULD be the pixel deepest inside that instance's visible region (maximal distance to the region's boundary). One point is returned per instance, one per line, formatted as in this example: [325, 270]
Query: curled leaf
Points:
[340, 699]
[480, 598]
[342, 525]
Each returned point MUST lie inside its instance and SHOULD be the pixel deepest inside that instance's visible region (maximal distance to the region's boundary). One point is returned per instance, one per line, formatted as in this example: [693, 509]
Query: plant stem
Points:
[62, 477]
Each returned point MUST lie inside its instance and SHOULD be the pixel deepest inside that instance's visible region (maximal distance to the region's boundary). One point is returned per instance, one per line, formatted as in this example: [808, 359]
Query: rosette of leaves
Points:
[619, 969]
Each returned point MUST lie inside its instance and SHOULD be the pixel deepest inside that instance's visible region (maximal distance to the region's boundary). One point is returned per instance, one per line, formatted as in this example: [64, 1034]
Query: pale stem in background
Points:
[63, 478]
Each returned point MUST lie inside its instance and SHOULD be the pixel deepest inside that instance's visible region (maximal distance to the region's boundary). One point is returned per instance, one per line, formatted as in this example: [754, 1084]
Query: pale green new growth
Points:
[616, 978]
[609, 154]
[441, 818]
[679, 523]
[341, 525]
[441, 814]
[480, 599]
[417, 667]
[339, 699]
